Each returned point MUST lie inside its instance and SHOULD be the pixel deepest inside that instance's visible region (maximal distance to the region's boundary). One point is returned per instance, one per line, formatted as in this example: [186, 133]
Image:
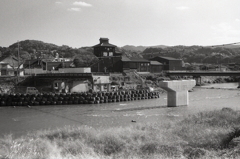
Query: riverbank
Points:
[230, 85]
[204, 135]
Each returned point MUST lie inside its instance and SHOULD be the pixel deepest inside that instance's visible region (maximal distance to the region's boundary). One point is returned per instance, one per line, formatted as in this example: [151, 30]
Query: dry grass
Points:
[204, 135]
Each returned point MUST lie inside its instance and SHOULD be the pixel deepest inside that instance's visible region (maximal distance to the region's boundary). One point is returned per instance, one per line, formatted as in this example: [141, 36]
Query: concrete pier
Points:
[198, 80]
[177, 91]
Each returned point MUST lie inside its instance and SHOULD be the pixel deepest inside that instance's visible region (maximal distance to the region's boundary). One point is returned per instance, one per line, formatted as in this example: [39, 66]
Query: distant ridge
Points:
[34, 49]
[140, 48]
[230, 46]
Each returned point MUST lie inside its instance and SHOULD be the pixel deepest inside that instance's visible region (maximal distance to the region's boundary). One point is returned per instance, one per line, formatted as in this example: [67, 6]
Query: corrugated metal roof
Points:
[168, 58]
[138, 59]
[155, 63]
[133, 59]
[125, 58]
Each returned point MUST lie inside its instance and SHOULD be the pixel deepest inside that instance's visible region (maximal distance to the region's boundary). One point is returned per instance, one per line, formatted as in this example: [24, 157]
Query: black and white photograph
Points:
[119, 79]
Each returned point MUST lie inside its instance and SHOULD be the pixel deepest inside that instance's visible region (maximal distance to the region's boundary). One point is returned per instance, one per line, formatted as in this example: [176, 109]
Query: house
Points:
[33, 63]
[135, 63]
[121, 64]
[234, 66]
[104, 49]
[9, 66]
[109, 59]
[39, 66]
[53, 66]
[112, 61]
[169, 63]
[156, 67]
[111, 64]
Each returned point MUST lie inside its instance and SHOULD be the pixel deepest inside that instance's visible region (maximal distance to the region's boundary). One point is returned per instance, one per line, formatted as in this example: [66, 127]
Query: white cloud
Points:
[74, 9]
[237, 20]
[83, 4]
[182, 8]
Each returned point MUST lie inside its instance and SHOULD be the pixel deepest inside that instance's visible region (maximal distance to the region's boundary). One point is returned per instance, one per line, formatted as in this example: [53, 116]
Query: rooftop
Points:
[104, 42]
[168, 58]
[155, 63]
[133, 59]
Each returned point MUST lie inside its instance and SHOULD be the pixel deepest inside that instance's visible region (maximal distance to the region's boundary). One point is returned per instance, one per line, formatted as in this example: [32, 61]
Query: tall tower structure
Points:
[104, 48]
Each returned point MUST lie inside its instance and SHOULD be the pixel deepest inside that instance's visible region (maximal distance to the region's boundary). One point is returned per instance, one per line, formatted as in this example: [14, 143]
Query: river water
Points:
[232, 85]
[21, 120]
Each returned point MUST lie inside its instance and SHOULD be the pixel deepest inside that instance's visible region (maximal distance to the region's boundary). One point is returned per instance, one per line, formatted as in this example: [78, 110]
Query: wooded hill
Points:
[199, 54]
[33, 49]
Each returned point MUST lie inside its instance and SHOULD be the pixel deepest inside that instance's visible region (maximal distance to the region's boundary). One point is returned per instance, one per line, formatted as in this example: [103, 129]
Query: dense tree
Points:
[84, 61]
[199, 54]
[84, 56]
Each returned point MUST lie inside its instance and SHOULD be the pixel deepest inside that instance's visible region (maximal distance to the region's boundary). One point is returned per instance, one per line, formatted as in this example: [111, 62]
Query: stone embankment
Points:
[75, 98]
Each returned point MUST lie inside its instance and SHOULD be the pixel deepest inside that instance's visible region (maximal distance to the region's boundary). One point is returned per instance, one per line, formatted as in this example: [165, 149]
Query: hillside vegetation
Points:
[199, 54]
[32, 49]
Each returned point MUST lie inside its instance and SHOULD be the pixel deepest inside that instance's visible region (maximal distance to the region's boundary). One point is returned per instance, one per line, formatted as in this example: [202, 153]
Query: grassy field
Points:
[204, 135]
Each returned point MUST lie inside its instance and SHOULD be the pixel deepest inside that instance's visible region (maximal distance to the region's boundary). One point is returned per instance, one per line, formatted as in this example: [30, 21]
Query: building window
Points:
[110, 53]
[105, 54]
[55, 85]
[105, 86]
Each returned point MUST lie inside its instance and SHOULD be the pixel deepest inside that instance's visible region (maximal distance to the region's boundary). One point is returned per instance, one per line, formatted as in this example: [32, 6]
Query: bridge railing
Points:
[173, 71]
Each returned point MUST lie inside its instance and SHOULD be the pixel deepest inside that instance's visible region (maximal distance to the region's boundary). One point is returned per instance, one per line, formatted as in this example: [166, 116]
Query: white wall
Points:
[75, 70]
[98, 79]
[34, 71]
[99, 82]
[61, 70]
[79, 86]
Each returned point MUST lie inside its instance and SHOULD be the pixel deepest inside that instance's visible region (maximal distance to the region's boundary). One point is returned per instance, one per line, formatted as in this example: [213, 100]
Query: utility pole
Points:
[18, 64]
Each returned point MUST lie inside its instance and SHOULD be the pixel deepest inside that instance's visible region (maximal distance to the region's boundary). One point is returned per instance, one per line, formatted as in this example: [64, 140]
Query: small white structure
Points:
[34, 71]
[7, 70]
[75, 70]
[177, 91]
[101, 83]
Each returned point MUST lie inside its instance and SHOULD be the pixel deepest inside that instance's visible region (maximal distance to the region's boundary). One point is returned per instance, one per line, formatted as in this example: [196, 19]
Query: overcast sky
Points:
[124, 22]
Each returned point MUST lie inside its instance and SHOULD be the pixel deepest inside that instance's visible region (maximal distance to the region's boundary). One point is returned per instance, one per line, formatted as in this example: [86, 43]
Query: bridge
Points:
[197, 74]
[63, 75]
[203, 73]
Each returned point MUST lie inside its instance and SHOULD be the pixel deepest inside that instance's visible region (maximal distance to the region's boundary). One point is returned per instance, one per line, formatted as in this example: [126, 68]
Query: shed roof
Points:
[138, 59]
[133, 59]
[125, 58]
[155, 63]
[168, 58]
[11, 60]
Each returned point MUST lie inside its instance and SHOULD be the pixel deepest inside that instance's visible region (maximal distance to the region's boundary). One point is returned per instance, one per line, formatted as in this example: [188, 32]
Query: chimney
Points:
[103, 40]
